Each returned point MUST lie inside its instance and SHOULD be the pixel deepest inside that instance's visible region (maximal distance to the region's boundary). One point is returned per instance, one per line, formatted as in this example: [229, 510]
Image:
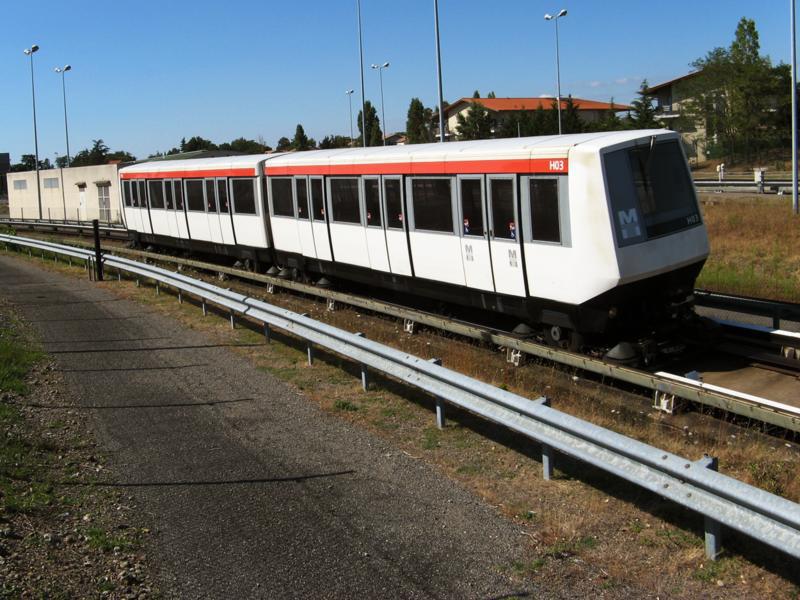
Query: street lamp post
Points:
[361, 63]
[380, 69]
[29, 52]
[350, 102]
[549, 17]
[795, 206]
[439, 69]
[63, 70]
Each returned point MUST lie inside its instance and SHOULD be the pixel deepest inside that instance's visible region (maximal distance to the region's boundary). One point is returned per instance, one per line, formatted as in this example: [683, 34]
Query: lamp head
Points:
[386, 64]
[548, 16]
[373, 66]
[562, 13]
[348, 92]
[34, 48]
[67, 68]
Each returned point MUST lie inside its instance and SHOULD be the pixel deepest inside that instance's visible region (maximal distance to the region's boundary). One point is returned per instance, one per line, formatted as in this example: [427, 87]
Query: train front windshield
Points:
[650, 191]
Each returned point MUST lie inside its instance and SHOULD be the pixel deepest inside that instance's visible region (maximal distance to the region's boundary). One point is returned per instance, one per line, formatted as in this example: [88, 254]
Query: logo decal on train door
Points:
[629, 223]
[512, 258]
[468, 253]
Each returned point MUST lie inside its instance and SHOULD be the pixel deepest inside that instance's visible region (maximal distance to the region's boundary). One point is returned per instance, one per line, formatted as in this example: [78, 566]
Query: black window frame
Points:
[398, 222]
[415, 214]
[233, 184]
[210, 185]
[195, 201]
[472, 232]
[301, 199]
[338, 206]
[223, 205]
[274, 205]
[318, 202]
[376, 203]
[505, 227]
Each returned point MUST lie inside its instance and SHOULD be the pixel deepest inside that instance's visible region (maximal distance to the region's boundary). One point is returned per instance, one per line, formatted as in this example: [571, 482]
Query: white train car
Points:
[585, 234]
[209, 205]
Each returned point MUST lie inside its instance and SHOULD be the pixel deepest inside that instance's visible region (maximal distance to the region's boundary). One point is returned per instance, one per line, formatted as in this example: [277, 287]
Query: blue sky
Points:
[147, 73]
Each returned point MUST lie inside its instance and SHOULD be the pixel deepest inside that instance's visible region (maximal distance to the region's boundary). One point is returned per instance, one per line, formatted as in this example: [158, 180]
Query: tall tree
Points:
[334, 141]
[643, 114]
[300, 140]
[476, 125]
[373, 126]
[571, 120]
[418, 124]
[195, 143]
[284, 145]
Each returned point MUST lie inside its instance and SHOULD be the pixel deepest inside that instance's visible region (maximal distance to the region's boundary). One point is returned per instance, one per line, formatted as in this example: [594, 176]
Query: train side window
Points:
[194, 195]
[211, 197]
[344, 200]
[432, 203]
[126, 192]
[177, 185]
[282, 202]
[222, 195]
[142, 185]
[372, 201]
[155, 188]
[545, 222]
[244, 196]
[318, 199]
[134, 194]
[168, 197]
[504, 223]
[301, 187]
[471, 206]
[394, 203]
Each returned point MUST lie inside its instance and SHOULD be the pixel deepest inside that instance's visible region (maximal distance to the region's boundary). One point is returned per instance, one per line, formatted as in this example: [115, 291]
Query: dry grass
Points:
[585, 525]
[755, 246]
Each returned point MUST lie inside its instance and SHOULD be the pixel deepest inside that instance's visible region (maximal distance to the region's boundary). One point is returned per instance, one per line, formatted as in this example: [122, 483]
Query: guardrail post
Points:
[97, 251]
[713, 529]
[548, 453]
[267, 333]
[776, 322]
[205, 308]
[180, 297]
[158, 289]
[439, 402]
[233, 320]
[364, 370]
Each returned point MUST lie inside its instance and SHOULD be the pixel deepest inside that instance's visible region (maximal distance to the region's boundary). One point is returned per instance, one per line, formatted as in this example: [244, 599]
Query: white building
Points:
[72, 194]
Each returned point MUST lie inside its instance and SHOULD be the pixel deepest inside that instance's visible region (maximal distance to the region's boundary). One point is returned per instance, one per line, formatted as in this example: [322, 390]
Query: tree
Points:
[245, 146]
[120, 156]
[300, 141]
[373, 126]
[643, 115]
[610, 121]
[99, 154]
[418, 123]
[334, 141]
[197, 143]
[476, 125]
[284, 145]
[571, 121]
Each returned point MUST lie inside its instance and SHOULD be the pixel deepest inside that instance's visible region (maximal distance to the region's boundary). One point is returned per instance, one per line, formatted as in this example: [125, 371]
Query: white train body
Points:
[590, 232]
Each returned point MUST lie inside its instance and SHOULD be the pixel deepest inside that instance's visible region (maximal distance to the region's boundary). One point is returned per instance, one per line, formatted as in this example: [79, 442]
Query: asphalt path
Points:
[253, 491]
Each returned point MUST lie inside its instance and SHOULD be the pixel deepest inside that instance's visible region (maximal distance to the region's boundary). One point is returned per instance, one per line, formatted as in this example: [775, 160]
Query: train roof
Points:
[245, 165]
[552, 146]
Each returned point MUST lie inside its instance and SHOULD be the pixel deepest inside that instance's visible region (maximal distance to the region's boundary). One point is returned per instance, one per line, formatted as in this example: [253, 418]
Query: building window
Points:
[104, 202]
[50, 183]
[244, 196]
[432, 203]
[344, 200]
[20, 184]
[282, 202]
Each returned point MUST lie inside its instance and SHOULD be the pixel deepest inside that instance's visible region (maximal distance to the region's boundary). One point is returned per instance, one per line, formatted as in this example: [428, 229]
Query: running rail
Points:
[695, 485]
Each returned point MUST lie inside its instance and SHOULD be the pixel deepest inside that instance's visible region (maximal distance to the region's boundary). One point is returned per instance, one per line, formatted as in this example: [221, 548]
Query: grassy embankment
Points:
[755, 247]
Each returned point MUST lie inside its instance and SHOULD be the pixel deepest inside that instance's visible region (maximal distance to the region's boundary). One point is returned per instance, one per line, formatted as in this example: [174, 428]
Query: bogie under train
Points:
[591, 236]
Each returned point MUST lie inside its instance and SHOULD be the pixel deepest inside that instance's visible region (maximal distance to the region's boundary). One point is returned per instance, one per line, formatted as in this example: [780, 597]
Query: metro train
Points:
[595, 235]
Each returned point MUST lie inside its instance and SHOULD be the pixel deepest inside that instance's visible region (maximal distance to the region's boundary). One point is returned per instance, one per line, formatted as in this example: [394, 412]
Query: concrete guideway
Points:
[254, 491]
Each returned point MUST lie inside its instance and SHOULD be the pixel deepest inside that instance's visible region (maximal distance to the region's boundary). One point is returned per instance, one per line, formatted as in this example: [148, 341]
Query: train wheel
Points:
[561, 337]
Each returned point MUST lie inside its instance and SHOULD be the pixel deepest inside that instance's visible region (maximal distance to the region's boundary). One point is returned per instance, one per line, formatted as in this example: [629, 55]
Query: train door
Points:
[319, 223]
[147, 223]
[181, 219]
[169, 208]
[376, 237]
[224, 206]
[395, 226]
[504, 232]
[304, 227]
[474, 234]
[214, 231]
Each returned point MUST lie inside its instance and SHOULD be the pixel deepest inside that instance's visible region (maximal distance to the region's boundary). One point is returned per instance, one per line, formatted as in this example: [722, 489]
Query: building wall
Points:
[67, 194]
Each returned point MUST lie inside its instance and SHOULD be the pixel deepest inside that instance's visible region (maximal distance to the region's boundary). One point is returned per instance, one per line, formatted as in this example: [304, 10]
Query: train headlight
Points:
[612, 312]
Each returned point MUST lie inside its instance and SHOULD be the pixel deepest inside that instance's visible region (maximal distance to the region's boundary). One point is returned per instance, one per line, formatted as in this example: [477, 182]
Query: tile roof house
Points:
[501, 108]
[670, 97]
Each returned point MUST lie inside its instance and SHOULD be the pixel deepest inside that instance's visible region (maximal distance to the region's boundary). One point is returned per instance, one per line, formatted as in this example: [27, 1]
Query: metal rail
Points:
[665, 388]
[695, 485]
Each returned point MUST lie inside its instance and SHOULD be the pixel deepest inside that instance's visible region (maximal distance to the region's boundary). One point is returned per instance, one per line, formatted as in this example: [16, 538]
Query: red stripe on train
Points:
[250, 172]
[524, 165]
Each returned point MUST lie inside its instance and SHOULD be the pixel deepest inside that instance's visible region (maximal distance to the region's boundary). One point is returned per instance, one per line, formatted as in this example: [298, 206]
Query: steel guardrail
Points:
[696, 485]
[663, 385]
[772, 309]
